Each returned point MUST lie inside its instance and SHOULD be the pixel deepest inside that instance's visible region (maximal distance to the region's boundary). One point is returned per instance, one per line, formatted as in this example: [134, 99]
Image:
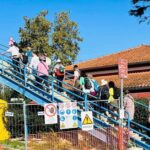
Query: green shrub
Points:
[141, 112]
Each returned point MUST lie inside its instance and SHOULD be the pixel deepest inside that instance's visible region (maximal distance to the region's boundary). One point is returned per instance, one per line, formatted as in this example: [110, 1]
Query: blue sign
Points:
[61, 112]
[62, 118]
[74, 111]
[74, 117]
[68, 111]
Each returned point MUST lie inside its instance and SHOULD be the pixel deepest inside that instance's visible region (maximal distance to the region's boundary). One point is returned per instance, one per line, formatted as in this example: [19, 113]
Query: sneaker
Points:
[64, 93]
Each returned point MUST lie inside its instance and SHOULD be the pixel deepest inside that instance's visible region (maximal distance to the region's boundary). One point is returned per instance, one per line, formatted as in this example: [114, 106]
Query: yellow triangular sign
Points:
[87, 120]
[74, 124]
[62, 125]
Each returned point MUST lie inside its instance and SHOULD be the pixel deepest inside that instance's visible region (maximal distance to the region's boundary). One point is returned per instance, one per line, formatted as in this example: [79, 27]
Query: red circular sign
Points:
[50, 110]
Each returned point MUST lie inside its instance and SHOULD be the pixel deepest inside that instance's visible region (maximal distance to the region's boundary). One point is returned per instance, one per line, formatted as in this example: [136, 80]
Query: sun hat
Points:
[11, 41]
[28, 48]
[103, 82]
[58, 61]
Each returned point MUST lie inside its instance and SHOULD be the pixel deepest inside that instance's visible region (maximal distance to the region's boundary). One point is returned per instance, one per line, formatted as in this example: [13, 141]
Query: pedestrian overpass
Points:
[24, 83]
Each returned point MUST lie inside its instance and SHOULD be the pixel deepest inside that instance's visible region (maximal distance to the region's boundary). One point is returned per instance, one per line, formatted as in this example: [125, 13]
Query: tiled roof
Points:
[141, 79]
[134, 55]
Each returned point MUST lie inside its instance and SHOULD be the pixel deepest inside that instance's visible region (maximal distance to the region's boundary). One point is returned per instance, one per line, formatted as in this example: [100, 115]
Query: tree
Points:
[65, 38]
[140, 10]
[6, 93]
[35, 34]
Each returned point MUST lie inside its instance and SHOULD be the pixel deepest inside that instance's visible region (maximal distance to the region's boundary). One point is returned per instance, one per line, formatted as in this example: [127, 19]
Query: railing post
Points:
[52, 90]
[3, 91]
[24, 75]
[2, 66]
[86, 102]
[25, 126]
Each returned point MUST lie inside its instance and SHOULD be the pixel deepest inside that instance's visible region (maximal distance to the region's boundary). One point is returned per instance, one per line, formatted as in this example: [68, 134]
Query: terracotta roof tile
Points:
[141, 79]
[134, 55]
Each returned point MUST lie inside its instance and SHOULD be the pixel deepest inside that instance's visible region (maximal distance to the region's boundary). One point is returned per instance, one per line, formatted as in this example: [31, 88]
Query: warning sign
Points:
[75, 125]
[87, 120]
[62, 125]
[50, 113]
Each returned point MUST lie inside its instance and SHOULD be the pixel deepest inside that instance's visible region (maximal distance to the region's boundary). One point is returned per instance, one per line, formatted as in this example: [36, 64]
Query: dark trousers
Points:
[42, 80]
[16, 66]
[60, 78]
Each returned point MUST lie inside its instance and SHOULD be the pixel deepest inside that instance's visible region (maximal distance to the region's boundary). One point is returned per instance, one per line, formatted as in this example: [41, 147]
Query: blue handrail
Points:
[141, 126]
[3, 46]
[143, 105]
[141, 134]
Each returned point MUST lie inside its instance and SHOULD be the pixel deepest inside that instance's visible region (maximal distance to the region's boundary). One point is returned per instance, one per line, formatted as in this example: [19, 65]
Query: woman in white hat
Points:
[104, 90]
[14, 50]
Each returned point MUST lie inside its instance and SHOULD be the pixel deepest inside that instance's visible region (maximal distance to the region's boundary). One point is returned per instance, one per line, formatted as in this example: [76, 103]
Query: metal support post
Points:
[52, 90]
[25, 71]
[121, 111]
[2, 66]
[121, 94]
[86, 102]
[3, 90]
[25, 126]
[121, 101]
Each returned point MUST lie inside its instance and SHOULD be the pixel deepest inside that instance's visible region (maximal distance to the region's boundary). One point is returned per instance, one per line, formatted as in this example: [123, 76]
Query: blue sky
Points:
[105, 25]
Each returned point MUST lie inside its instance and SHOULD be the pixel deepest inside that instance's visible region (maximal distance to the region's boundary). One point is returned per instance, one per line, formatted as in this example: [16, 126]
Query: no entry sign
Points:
[123, 68]
[50, 113]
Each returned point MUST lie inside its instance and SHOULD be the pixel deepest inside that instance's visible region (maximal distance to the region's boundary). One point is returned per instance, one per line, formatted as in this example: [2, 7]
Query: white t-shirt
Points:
[13, 50]
[76, 74]
[34, 62]
[57, 66]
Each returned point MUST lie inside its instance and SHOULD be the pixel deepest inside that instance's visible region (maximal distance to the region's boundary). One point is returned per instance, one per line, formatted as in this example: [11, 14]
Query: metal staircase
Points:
[25, 83]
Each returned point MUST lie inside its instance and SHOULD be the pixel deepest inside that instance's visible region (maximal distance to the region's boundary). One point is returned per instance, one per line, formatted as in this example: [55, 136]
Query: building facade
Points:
[106, 67]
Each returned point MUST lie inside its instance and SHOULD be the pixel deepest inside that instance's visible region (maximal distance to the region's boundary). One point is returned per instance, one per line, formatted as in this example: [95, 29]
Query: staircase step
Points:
[111, 124]
[135, 135]
[135, 148]
[63, 98]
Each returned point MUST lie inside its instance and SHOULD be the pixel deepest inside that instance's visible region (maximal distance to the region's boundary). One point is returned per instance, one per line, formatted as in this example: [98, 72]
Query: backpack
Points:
[24, 59]
[116, 93]
[96, 85]
[104, 93]
[87, 83]
[61, 69]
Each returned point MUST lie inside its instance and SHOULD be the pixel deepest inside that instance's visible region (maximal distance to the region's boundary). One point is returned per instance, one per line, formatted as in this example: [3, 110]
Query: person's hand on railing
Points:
[28, 70]
[4, 53]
